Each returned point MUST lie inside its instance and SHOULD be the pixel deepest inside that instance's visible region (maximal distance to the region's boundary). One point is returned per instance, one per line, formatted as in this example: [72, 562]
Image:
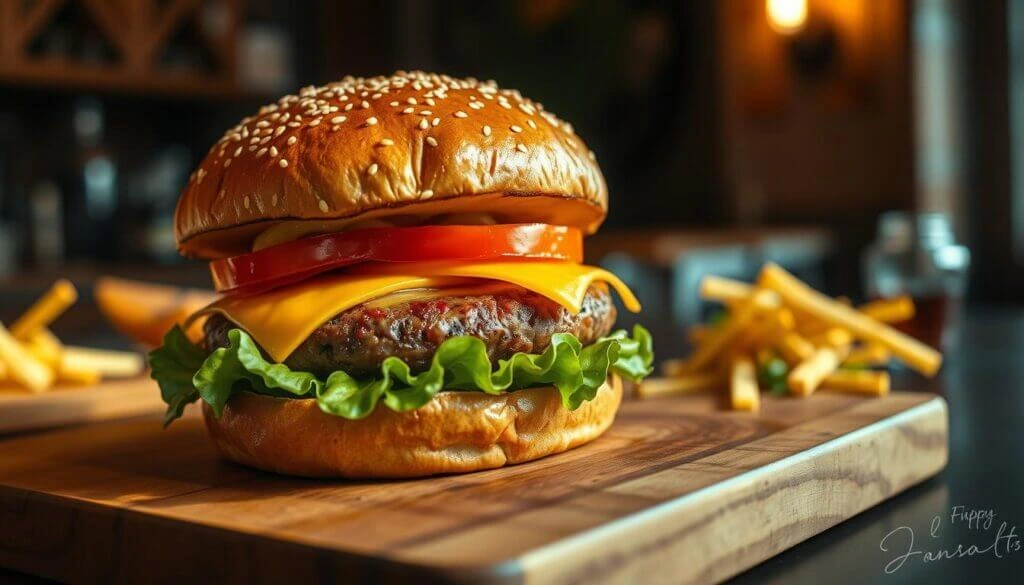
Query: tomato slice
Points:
[294, 261]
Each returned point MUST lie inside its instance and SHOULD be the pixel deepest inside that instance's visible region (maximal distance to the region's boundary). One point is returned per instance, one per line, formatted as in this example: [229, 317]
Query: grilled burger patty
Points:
[359, 339]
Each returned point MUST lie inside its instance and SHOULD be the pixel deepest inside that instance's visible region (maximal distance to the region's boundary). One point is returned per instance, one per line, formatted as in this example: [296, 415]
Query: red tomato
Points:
[294, 261]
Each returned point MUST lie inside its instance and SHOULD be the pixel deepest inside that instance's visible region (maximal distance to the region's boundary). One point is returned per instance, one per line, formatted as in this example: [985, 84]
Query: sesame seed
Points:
[221, 193]
[338, 119]
[227, 163]
[435, 121]
[521, 148]
[426, 194]
[280, 130]
[364, 104]
[385, 142]
[238, 151]
[273, 152]
[592, 155]
[424, 124]
[516, 129]
[322, 205]
[273, 200]
[314, 123]
[372, 169]
[261, 152]
[371, 121]
[430, 101]
[283, 163]
[294, 124]
[265, 140]
[411, 101]
[245, 202]
[431, 141]
[461, 114]
[292, 140]
[487, 130]
[348, 107]
[532, 124]
[376, 96]
[425, 112]
[393, 104]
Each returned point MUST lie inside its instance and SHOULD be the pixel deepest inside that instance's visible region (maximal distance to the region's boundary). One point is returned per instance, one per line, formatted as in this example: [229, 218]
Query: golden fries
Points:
[892, 310]
[807, 376]
[871, 354]
[743, 391]
[717, 288]
[794, 348]
[858, 381]
[23, 367]
[673, 385]
[60, 296]
[781, 336]
[716, 343]
[32, 357]
[113, 364]
[45, 346]
[914, 353]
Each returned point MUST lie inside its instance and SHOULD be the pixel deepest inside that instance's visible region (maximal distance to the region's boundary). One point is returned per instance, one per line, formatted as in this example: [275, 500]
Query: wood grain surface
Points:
[678, 491]
[20, 410]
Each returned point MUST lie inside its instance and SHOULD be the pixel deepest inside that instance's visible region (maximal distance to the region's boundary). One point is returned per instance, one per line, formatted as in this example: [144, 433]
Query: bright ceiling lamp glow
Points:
[786, 16]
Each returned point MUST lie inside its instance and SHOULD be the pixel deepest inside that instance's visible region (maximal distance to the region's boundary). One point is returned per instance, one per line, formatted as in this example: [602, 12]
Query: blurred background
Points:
[875, 147]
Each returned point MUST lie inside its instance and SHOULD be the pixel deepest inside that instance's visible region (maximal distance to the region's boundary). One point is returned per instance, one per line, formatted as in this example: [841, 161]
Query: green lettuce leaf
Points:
[186, 374]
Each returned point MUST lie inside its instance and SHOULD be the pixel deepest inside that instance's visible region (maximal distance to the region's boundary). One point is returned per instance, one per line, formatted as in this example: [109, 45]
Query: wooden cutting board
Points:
[20, 410]
[678, 491]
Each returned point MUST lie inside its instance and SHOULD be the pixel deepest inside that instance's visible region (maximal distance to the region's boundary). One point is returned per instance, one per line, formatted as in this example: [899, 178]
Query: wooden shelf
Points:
[139, 30]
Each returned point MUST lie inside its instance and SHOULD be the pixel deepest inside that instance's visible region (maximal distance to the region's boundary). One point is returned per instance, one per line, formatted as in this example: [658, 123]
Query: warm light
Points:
[786, 16]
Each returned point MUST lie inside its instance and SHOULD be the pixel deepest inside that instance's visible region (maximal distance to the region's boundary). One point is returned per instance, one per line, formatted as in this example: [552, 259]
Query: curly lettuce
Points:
[186, 373]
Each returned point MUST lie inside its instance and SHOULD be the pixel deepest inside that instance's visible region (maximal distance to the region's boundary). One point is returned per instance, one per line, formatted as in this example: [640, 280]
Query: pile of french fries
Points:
[32, 358]
[782, 336]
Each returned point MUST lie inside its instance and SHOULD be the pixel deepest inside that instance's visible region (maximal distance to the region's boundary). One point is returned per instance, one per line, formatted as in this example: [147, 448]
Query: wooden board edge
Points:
[691, 540]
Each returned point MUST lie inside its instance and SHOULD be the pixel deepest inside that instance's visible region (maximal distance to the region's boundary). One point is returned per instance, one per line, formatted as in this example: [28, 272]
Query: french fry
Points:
[22, 366]
[871, 354]
[835, 337]
[67, 372]
[858, 381]
[808, 375]
[894, 310]
[45, 346]
[718, 341]
[3, 370]
[113, 364]
[717, 288]
[916, 354]
[674, 385]
[793, 348]
[56, 300]
[727, 290]
[743, 391]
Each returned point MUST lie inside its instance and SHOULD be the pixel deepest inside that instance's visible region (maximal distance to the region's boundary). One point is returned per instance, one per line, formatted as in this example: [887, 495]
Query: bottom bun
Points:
[456, 432]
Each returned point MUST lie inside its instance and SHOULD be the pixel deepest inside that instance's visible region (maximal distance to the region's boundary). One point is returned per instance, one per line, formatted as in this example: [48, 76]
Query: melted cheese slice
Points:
[282, 319]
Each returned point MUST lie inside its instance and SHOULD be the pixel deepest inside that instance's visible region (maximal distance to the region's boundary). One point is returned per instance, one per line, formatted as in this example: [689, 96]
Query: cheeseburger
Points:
[403, 294]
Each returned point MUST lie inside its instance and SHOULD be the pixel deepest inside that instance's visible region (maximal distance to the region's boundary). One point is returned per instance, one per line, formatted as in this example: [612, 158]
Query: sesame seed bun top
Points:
[413, 148]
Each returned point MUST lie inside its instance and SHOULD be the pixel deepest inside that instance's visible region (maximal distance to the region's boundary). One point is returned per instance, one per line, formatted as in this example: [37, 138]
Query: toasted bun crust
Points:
[456, 432]
[415, 147]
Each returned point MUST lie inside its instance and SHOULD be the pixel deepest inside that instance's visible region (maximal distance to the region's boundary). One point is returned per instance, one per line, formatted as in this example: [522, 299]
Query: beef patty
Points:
[357, 340]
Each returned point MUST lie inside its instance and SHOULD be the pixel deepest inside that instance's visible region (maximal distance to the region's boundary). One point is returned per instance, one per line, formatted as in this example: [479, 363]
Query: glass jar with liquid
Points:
[916, 254]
